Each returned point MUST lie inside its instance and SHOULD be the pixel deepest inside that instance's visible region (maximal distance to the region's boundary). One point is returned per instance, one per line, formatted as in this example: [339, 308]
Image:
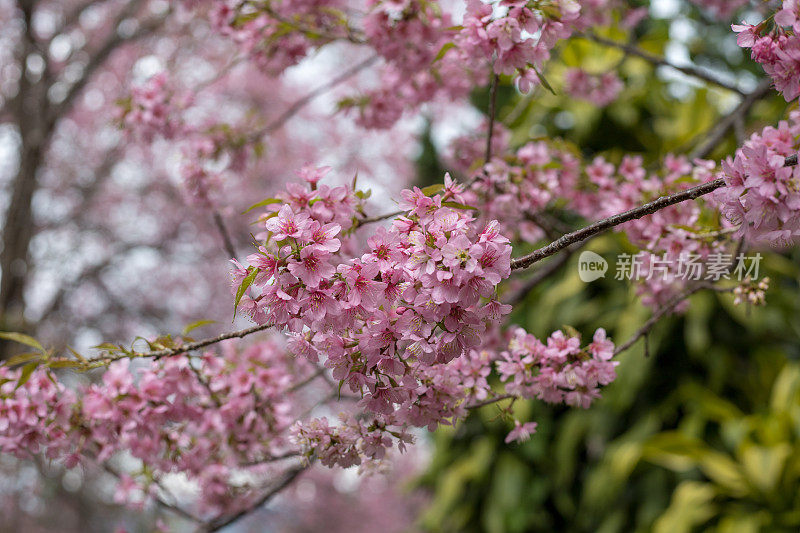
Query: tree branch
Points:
[288, 479]
[225, 235]
[370, 220]
[492, 113]
[598, 227]
[661, 62]
[302, 102]
[490, 401]
[542, 274]
[169, 352]
[723, 126]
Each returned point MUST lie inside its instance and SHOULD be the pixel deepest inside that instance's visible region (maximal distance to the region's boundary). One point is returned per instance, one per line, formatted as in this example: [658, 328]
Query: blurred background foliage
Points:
[701, 430]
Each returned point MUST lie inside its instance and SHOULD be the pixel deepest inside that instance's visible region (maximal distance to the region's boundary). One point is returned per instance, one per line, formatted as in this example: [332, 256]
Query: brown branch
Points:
[541, 274]
[729, 121]
[302, 102]
[661, 62]
[653, 320]
[225, 235]
[370, 220]
[492, 112]
[223, 521]
[490, 401]
[174, 508]
[169, 352]
[598, 227]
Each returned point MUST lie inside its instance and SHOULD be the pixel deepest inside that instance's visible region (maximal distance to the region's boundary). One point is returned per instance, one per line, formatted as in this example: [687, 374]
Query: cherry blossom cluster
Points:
[153, 110]
[778, 50]
[277, 34]
[514, 188]
[558, 371]
[518, 38]
[762, 193]
[751, 292]
[524, 188]
[202, 184]
[387, 322]
[409, 36]
[467, 152]
[158, 110]
[686, 232]
[208, 418]
[436, 394]
[600, 90]
[425, 54]
[34, 416]
[510, 37]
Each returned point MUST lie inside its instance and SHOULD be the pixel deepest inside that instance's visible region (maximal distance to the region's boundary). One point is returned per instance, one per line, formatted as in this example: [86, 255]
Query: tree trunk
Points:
[28, 108]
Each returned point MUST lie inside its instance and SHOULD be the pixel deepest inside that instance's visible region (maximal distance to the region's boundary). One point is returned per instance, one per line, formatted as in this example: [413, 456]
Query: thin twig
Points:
[297, 386]
[288, 479]
[302, 102]
[169, 352]
[661, 62]
[490, 401]
[729, 121]
[540, 275]
[370, 220]
[663, 310]
[271, 459]
[492, 113]
[653, 320]
[172, 507]
[219, 75]
[226, 237]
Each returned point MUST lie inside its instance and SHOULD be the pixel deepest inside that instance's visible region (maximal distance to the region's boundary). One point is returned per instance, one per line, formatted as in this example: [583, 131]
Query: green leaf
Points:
[27, 370]
[543, 80]
[107, 346]
[764, 465]
[456, 205]
[259, 149]
[443, 51]
[23, 358]
[64, 363]
[21, 338]
[252, 272]
[691, 506]
[194, 325]
[430, 190]
[262, 203]
[363, 195]
[76, 354]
